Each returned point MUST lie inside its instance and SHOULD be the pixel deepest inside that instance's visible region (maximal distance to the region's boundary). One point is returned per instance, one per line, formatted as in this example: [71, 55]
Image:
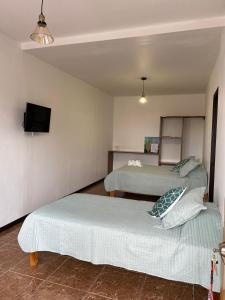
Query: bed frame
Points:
[113, 194]
[33, 256]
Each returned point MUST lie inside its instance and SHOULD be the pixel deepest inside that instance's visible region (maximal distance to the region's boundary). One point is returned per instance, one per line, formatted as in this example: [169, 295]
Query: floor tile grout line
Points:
[18, 262]
[26, 275]
[45, 280]
[64, 285]
[73, 288]
[4, 273]
[3, 245]
[94, 281]
[95, 294]
[59, 266]
[68, 286]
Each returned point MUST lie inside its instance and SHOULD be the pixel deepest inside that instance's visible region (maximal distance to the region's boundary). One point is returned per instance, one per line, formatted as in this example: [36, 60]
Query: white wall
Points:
[35, 170]
[193, 142]
[217, 79]
[133, 121]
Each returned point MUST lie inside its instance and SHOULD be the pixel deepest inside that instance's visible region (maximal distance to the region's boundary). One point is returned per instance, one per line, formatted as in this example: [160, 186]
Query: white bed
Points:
[152, 180]
[120, 232]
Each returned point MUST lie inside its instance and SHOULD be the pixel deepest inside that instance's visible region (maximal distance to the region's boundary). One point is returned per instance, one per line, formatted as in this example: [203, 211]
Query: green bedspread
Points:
[152, 180]
[120, 232]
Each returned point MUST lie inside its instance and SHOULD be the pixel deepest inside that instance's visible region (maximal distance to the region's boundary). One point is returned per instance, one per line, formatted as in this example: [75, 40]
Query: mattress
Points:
[152, 180]
[121, 233]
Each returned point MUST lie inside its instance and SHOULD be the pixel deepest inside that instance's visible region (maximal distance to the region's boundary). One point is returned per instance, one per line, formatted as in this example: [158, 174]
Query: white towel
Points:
[135, 163]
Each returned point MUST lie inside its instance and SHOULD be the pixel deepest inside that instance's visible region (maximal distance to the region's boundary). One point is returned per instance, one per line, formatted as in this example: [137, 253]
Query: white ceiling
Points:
[110, 44]
[75, 17]
[176, 62]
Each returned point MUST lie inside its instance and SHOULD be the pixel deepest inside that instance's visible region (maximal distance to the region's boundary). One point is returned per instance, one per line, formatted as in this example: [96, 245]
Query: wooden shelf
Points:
[168, 163]
[133, 152]
[171, 137]
[112, 152]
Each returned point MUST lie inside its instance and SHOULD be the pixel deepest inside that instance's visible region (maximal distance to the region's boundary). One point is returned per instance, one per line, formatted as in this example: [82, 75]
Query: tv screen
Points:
[37, 118]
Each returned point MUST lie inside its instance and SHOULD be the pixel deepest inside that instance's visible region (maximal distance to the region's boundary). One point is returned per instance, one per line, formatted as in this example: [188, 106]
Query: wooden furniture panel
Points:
[112, 152]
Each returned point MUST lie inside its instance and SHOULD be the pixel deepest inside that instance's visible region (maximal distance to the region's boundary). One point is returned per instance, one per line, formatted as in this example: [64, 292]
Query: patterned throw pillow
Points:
[189, 206]
[180, 164]
[166, 202]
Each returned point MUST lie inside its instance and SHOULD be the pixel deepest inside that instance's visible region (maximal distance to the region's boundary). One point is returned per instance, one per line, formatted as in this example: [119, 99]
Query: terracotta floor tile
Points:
[9, 257]
[200, 293]
[76, 274]
[4, 238]
[48, 262]
[118, 284]
[94, 297]
[10, 235]
[16, 286]
[165, 290]
[51, 291]
[2, 273]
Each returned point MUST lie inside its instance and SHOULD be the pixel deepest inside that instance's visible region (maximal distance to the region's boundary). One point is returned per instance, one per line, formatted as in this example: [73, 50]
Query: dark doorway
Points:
[213, 145]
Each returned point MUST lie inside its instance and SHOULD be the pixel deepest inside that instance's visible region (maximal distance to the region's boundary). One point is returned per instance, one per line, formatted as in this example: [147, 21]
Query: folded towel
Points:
[134, 163]
[130, 162]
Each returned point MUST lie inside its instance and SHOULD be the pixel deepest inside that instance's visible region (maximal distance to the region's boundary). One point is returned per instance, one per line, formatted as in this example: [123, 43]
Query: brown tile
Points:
[118, 283]
[2, 273]
[9, 257]
[200, 293]
[10, 235]
[76, 274]
[52, 291]
[48, 262]
[90, 296]
[5, 237]
[17, 286]
[96, 189]
[160, 289]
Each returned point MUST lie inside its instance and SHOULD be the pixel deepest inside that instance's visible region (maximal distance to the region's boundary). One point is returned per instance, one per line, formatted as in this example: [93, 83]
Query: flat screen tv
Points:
[37, 118]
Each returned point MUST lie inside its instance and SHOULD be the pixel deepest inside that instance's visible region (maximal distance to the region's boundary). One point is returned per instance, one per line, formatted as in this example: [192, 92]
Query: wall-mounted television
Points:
[37, 118]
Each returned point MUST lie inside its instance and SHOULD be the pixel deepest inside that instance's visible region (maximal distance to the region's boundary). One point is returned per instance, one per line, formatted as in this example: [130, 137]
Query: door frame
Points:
[213, 144]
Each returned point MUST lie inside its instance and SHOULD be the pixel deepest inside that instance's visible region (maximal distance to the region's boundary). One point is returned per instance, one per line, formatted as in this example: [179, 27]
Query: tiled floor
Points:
[60, 277]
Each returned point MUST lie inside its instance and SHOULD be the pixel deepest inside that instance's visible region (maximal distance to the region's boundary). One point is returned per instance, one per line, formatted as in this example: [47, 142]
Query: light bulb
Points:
[143, 100]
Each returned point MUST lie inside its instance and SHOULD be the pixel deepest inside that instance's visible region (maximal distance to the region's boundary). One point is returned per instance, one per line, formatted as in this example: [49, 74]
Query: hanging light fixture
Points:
[41, 33]
[143, 98]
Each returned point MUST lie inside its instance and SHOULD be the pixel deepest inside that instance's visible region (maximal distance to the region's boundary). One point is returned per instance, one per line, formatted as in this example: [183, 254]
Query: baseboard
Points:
[7, 226]
[88, 186]
[24, 217]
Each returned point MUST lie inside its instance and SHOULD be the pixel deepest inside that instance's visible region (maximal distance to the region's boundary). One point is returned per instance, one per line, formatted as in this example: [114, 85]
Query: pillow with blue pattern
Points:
[165, 203]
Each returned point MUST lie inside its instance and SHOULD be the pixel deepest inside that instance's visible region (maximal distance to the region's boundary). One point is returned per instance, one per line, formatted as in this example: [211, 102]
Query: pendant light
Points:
[41, 33]
[143, 98]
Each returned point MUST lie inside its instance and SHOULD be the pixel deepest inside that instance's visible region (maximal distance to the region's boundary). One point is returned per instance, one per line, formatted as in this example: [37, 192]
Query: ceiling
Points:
[111, 44]
[75, 17]
[174, 63]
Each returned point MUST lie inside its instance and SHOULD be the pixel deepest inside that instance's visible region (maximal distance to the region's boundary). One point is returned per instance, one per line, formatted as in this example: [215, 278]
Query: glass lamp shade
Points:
[41, 33]
[143, 99]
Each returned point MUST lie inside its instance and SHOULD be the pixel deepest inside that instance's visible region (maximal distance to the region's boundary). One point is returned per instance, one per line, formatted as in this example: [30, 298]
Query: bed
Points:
[121, 233]
[152, 180]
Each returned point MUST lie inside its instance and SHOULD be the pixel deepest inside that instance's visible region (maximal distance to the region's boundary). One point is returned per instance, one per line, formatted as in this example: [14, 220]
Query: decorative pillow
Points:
[189, 206]
[180, 164]
[165, 203]
[188, 167]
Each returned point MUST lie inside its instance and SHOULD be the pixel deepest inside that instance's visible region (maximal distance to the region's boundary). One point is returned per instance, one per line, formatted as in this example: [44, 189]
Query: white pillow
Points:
[189, 206]
[188, 167]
